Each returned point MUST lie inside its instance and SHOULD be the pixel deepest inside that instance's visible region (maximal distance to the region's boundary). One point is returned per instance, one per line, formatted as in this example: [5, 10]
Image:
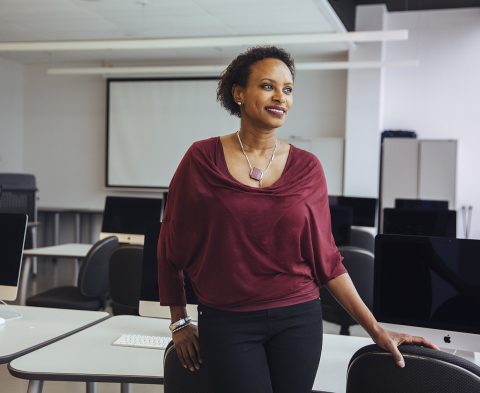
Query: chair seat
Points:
[64, 297]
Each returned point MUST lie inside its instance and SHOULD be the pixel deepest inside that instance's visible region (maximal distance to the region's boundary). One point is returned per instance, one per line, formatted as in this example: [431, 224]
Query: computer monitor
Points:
[401, 203]
[430, 286]
[420, 222]
[342, 219]
[364, 209]
[127, 217]
[13, 227]
[149, 305]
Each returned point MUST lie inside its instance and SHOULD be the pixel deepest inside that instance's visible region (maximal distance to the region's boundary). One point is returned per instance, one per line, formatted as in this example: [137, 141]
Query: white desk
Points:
[336, 353]
[88, 356]
[71, 250]
[40, 326]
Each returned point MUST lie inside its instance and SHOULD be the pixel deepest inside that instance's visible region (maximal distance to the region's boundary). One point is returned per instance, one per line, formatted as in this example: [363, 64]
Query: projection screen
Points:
[151, 124]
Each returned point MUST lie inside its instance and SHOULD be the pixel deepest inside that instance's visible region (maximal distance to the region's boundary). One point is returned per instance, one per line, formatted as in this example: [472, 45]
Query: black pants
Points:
[268, 351]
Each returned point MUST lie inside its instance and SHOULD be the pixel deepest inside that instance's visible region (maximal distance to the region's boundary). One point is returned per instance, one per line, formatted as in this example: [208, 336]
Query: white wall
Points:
[11, 115]
[440, 99]
[65, 130]
[64, 122]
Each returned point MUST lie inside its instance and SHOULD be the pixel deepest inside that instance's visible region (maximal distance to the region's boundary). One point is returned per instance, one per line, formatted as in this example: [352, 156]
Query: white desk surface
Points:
[336, 353]
[40, 326]
[89, 356]
[70, 250]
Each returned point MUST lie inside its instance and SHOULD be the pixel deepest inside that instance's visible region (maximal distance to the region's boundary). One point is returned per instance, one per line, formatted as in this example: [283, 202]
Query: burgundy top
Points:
[246, 248]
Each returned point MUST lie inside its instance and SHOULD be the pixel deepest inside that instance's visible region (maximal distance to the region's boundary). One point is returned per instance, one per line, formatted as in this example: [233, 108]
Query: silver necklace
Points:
[256, 173]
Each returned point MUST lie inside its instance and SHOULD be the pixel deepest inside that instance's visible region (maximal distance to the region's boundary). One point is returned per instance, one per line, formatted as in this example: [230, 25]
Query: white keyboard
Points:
[142, 341]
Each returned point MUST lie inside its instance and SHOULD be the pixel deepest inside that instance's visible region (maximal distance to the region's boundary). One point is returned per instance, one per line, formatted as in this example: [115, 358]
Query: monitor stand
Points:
[473, 357]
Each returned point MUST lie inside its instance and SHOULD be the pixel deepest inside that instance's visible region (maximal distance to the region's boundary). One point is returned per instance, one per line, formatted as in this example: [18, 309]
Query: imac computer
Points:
[364, 209]
[430, 286]
[420, 204]
[13, 227]
[420, 222]
[127, 217]
[149, 305]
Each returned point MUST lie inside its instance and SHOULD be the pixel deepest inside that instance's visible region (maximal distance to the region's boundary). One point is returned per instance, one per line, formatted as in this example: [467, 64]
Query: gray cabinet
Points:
[418, 169]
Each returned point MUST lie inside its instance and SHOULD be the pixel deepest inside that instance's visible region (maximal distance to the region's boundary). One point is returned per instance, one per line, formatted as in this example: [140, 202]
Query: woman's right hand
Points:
[188, 347]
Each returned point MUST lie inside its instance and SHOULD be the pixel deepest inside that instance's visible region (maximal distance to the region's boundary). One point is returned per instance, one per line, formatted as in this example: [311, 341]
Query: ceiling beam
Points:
[206, 42]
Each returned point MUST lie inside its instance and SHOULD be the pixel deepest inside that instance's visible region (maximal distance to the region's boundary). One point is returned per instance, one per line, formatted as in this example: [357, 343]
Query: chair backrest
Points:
[373, 370]
[178, 379]
[93, 275]
[362, 239]
[125, 276]
[359, 264]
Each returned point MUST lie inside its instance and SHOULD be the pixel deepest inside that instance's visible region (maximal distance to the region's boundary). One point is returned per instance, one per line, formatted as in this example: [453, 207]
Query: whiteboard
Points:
[152, 123]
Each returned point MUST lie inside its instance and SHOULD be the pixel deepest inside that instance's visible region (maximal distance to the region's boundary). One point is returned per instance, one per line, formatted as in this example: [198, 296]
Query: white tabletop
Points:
[95, 359]
[90, 356]
[336, 353]
[70, 250]
[39, 326]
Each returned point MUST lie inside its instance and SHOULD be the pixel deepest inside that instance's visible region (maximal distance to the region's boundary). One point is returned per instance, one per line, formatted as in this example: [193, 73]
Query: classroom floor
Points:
[52, 274]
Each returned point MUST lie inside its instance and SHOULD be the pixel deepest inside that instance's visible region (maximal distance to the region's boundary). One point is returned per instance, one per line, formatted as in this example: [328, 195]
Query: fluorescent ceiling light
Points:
[215, 70]
[204, 42]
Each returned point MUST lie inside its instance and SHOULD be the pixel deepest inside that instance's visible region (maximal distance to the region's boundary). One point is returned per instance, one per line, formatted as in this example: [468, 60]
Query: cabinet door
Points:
[437, 170]
[399, 175]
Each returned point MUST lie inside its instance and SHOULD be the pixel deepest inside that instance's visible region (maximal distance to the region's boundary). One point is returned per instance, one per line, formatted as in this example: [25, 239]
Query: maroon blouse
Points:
[246, 248]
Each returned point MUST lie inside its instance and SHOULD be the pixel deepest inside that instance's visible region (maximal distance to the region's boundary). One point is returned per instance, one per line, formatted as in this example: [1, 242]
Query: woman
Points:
[248, 220]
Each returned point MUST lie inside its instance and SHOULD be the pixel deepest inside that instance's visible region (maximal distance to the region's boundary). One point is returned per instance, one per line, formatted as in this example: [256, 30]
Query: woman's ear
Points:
[237, 94]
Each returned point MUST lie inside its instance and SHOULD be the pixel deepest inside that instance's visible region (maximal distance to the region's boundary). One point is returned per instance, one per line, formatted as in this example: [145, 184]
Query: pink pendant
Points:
[256, 174]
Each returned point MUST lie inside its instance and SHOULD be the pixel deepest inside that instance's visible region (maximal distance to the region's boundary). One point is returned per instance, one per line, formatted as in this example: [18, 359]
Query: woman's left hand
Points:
[389, 341]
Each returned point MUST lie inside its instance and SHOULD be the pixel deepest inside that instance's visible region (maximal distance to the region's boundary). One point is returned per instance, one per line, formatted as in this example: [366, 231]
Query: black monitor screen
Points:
[342, 219]
[421, 222]
[431, 282]
[12, 237]
[420, 204]
[130, 215]
[149, 289]
[364, 209]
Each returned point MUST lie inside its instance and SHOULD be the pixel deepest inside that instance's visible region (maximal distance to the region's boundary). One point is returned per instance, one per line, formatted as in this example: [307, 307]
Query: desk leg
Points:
[27, 261]
[125, 388]
[35, 386]
[91, 387]
[76, 271]
[78, 227]
[34, 245]
[56, 228]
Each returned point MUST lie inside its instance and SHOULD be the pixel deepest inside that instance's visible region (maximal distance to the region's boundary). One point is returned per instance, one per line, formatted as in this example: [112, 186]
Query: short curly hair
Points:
[238, 71]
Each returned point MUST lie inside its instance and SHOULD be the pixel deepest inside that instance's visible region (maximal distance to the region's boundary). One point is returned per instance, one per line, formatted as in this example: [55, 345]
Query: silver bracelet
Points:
[181, 327]
[180, 322]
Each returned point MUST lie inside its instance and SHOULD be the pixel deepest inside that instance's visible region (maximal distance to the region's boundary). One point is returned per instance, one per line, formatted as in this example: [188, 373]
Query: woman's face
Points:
[268, 95]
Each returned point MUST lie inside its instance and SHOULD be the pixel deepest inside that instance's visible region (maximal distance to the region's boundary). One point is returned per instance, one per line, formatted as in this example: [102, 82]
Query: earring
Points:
[239, 103]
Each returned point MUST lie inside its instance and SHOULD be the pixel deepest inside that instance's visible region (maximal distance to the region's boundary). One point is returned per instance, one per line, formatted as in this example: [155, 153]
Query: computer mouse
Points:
[2, 321]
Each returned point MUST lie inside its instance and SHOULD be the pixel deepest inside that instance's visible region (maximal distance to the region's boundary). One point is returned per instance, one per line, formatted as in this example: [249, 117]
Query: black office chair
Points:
[178, 379]
[92, 286]
[373, 370]
[359, 264]
[362, 239]
[125, 276]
